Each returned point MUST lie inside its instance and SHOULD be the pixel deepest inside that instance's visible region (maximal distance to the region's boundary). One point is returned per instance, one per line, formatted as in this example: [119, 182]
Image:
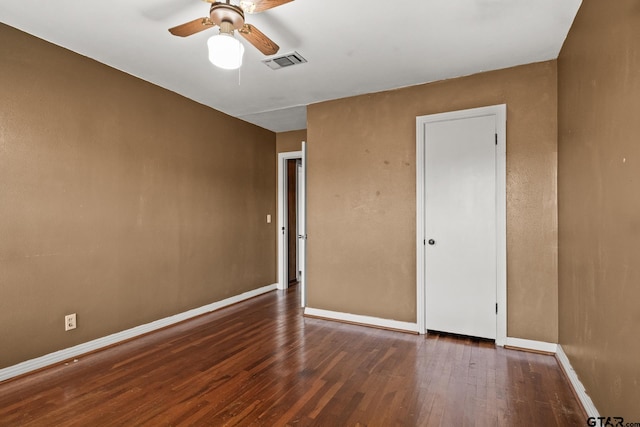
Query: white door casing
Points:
[283, 261]
[283, 282]
[440, 180]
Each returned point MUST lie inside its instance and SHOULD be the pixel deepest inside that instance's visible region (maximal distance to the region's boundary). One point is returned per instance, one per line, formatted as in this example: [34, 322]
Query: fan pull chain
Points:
[240, 67]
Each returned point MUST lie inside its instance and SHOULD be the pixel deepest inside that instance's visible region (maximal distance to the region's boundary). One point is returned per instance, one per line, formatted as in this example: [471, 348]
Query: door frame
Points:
[500, 112]
[283, 261]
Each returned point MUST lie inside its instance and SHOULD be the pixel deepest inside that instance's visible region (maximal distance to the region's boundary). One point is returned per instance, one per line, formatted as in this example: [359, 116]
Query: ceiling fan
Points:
[229, 16]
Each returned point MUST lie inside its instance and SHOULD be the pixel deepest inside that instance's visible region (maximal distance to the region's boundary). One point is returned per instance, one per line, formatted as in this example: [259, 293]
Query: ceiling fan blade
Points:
[257, 6]
[257, 38]
[191, 27]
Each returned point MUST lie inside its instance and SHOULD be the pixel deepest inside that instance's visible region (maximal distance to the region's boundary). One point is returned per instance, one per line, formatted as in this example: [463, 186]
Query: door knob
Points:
[432, 242]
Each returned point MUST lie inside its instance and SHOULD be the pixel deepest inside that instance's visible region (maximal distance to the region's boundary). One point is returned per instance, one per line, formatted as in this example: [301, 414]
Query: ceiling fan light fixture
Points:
[225, 51]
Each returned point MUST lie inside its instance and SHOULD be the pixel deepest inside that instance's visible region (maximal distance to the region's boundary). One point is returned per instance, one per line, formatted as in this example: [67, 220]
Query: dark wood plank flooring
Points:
[261, 363]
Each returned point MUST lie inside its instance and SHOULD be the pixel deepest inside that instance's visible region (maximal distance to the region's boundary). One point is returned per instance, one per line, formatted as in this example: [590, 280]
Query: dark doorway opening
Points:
[292, 223]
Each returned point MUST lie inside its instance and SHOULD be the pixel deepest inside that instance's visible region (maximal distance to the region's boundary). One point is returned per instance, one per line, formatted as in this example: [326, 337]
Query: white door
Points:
[299, 195]
[460, 226]
[302, 223]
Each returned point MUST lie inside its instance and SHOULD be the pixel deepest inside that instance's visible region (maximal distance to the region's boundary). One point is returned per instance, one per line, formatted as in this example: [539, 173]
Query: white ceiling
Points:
[353, 46]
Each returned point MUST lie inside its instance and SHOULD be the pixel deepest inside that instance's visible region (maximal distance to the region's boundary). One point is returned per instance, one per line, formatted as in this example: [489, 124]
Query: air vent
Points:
[284, 61]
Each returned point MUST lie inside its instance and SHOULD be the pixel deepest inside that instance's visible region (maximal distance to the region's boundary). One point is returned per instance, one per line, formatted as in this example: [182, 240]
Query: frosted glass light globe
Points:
[225, 51]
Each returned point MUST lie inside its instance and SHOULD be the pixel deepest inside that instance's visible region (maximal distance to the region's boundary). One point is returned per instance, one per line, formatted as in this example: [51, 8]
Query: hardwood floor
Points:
[261, 363]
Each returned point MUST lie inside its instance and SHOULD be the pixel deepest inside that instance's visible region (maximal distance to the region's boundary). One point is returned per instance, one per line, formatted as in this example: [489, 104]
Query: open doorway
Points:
[291, 220]
[293, 253]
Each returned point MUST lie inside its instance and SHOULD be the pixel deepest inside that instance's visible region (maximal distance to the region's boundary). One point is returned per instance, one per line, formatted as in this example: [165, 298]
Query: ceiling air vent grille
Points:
[284, 61]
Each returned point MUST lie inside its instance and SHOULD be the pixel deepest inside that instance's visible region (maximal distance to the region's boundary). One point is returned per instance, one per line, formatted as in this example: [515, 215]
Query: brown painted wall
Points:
[362, 205]
[599, 211]
[290, 141]
[120, 201]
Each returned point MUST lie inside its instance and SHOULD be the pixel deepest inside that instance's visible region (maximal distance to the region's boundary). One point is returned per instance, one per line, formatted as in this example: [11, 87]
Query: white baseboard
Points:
[546, 347]
[584, 398]
[68, 353]
[363, 320]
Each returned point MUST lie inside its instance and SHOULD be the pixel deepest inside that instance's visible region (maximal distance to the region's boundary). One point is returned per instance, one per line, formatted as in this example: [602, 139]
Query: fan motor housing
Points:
[221, 12]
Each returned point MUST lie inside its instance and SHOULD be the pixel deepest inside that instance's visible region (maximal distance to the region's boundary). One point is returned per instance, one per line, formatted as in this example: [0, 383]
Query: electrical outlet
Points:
[70, 322]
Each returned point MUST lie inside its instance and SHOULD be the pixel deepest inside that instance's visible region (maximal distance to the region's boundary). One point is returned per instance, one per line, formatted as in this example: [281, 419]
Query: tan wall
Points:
[121, 201]
[362, 204]
[290, 141]
[599, 173]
